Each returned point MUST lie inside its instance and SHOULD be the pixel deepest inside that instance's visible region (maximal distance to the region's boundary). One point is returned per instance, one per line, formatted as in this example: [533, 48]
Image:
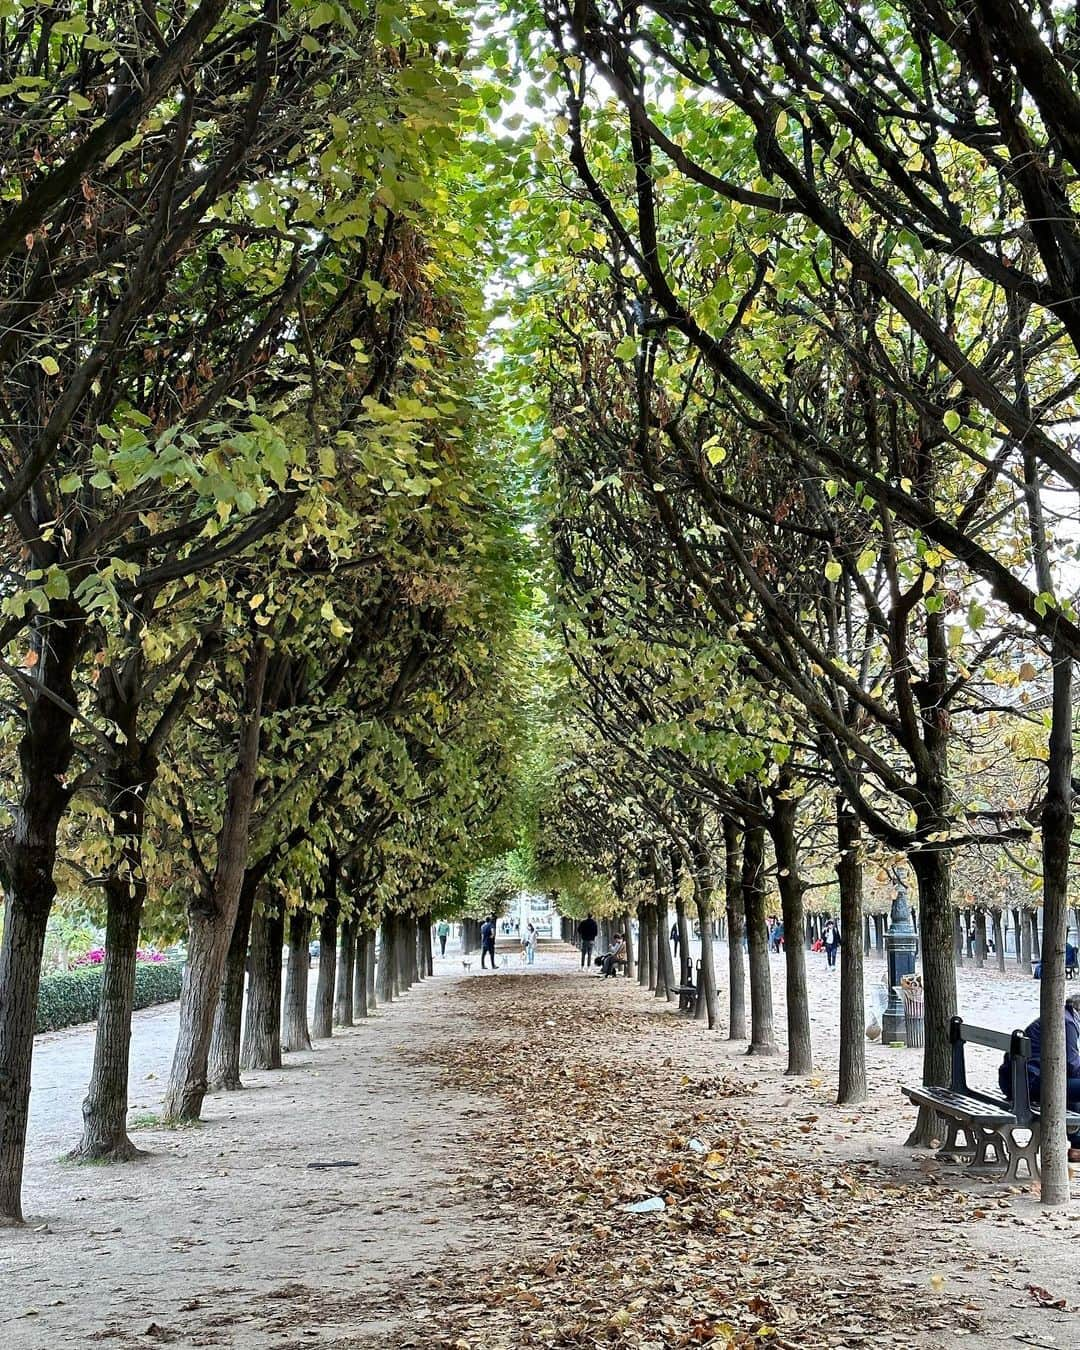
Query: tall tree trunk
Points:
[322, 1018]
[979, 918]
[262, 1024]
[762, 1034]
[1025, 941]
[628, 934]
[387, 960]
[1018, 954]
[736, 923]
[369, 963]
[104, 1134]
[652, 915]
[427, 945]
[295, 1033]
[931, 868]
[708, 1004]
[1036, 941]
[686, 961]
[999, 939]
[782, 828]
[849, 876]
[27, 862]
[643, 947]
[223, 1070]
[958, 938]
[345, 982]
[665, 968]
[212, 912]
[1057, 823]
[361, 941]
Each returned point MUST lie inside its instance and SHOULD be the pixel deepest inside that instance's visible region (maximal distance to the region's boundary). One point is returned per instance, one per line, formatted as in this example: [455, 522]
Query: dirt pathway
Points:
[499, 1125]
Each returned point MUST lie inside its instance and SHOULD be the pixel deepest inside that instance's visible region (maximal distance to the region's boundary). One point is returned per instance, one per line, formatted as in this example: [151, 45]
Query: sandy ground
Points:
[227, 1236]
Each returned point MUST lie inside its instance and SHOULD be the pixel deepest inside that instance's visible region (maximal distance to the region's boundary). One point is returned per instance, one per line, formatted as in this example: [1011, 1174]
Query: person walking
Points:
[487, 941]
[831, 938]
[531, 936]
[675, 938]
[442, 933]
[587, 931]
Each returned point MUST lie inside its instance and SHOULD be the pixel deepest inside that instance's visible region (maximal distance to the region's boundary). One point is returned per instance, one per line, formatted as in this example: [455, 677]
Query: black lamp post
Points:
[900, 943]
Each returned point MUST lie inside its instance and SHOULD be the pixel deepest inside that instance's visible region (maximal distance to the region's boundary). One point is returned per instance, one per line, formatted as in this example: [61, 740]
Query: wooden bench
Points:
[988, 1122]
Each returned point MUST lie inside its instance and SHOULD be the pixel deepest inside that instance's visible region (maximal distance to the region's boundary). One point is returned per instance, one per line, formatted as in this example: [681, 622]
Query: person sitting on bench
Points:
[1072, 1065]
[610, 962]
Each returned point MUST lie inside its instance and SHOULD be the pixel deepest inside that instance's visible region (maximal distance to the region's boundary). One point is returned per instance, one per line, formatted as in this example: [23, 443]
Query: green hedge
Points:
[69, 997]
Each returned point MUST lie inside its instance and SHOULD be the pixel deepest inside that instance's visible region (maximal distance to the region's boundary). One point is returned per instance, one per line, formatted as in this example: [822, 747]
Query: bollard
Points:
[900, 958]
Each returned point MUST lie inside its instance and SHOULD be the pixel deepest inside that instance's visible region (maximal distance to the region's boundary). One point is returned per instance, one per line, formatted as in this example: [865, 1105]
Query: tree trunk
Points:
[643, 946]
[104, 1135]
[212, 913]
[387, 960]
[262, 1024]
[1057, 822]
[1025, 941]
[322, 1018]
[295, 1033]
[346, 976]
[652, 915]
[223, 1069]
[1036, 942]
[999, 939]
[866, 935]
[628, 933]
[958, 938]
[27, 863]
[782, 828]
[686, 961]
[979, 919]
[849, 876]
[736, 924]
[763, 1037]
[429, 949]
[361, 942]
[931, 868]
[665, 968]
[369, 964]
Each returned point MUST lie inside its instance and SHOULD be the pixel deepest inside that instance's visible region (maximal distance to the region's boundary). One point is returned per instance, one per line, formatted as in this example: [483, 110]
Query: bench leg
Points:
[987, 1140]
[1027, 1153]
[951, 1146]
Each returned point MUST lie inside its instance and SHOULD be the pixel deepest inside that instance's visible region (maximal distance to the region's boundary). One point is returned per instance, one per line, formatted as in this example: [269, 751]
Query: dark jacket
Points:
[587, 930]
[1034, 1035]
[487, 934]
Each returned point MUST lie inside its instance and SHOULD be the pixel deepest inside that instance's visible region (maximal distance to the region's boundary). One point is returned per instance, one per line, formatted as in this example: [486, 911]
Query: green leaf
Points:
[627, 349]
[951, 420]
[833, 570]
[49, 365]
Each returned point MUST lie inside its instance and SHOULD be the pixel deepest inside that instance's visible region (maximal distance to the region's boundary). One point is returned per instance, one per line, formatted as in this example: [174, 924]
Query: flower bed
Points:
[69, 997]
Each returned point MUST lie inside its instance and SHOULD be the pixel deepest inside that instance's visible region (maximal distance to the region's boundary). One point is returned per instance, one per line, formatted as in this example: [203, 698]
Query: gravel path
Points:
[225, 1235]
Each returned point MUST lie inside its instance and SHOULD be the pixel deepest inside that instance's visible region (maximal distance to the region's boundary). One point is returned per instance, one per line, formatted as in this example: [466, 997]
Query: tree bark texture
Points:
[223, 1069]
[849, 876]
[295, 1032]
[212, 913]
[322, 1017]
[736, 924]
[262, 1024]
[782, 828]
[762, 1033]
[345, 977]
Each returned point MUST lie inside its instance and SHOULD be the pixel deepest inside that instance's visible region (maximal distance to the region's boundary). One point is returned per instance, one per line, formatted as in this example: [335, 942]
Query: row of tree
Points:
[263, 572]
[807, 343]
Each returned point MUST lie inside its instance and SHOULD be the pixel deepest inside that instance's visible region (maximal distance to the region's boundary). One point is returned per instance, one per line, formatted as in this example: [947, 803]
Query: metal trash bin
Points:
[914, 1015]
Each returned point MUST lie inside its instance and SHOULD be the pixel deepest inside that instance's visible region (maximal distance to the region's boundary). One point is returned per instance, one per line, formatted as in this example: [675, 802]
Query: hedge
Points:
[69, 997]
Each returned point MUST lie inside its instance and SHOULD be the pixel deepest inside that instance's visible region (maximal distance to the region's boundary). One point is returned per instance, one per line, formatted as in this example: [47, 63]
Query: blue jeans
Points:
[532, 954]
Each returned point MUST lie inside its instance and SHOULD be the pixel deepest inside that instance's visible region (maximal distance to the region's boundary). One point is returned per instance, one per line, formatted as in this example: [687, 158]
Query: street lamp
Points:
[900, 958]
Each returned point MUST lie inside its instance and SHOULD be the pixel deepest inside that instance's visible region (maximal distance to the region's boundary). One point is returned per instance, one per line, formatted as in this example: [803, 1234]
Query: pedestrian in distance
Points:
[675, 938]
[587, 931]
[831, 938]
[487, 942]
[531, 936]
[442, 933]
